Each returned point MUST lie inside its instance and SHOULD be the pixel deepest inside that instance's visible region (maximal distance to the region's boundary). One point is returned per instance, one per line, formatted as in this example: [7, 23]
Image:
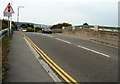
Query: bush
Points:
[37, 29]
[60, 25]
[32, 30]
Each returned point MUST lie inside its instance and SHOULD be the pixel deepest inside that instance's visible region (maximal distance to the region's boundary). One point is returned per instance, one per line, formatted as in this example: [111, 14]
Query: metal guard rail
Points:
[4, 31]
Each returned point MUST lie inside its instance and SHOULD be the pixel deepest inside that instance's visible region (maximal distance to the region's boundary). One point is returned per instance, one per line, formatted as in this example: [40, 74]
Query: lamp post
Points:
[10, 21]
[18, 14]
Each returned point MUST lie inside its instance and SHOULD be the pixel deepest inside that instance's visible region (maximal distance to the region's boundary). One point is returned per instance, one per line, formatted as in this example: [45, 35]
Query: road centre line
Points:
[93, 51]
[47, 35]
[82, 47]
[63, 41]
[85, 48]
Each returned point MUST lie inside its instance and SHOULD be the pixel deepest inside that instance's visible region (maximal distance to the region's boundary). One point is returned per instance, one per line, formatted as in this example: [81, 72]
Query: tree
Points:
[30, 25]
[4, 24]
[60, 25]
[14, 26]
[85, 24]
[23, 26]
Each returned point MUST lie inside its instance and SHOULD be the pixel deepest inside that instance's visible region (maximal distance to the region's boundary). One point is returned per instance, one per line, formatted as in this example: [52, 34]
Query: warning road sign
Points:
[7, 14]
[9, 9]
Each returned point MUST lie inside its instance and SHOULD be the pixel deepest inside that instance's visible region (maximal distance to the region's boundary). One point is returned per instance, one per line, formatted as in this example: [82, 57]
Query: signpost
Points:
[8, 13]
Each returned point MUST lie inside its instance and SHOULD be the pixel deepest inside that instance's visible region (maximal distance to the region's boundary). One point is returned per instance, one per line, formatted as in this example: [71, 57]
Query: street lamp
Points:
[18, 14]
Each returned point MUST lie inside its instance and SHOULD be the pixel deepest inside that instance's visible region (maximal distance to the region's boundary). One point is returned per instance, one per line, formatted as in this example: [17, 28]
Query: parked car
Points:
[46, 30]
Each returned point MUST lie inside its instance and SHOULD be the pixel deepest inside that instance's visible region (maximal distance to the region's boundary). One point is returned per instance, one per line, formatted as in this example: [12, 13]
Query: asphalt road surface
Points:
[82, 59]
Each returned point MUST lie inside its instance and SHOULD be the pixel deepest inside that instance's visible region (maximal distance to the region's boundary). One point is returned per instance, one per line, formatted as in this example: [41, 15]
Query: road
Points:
[82, 59]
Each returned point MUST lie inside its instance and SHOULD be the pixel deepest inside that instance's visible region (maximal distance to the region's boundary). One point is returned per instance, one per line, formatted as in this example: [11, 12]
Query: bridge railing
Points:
[4, 32]
[5, 36]
[92, 27]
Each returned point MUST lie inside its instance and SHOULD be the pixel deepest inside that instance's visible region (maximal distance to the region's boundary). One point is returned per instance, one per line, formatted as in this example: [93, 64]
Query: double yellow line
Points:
[67, 78]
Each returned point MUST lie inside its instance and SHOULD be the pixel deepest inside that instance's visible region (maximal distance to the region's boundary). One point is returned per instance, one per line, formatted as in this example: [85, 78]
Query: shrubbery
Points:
[5, 24]
[60, 25]
[32, 30]
[4, 52]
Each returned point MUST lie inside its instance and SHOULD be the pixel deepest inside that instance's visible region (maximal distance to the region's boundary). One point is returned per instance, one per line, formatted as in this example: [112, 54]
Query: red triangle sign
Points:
[9, 9]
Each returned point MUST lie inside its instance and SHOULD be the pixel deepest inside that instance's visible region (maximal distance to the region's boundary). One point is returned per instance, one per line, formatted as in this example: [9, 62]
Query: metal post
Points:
[8, 26]
[18, 15]
[11, 20]
[34, 29]
[8, 22]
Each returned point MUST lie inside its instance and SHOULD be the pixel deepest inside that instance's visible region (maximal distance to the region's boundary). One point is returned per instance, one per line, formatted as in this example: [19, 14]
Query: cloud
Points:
[83, 1]
[73, 11]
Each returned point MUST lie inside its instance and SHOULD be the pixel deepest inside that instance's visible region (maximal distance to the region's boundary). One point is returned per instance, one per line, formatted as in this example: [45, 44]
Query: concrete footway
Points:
[24, 67]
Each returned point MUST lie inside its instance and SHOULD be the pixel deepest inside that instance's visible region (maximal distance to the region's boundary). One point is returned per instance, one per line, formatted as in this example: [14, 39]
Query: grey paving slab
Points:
[24, 67]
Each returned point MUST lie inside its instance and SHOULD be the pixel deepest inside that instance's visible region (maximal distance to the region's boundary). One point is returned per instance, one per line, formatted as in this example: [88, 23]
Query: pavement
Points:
[24, 67]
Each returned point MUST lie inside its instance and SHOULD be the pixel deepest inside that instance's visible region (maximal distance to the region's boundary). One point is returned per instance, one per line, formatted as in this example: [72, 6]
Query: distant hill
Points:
[36, 25]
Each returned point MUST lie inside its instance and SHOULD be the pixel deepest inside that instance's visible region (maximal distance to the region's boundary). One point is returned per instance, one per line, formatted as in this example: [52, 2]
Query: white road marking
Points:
[63, 41]
[40, 34]
[93, 51]
[49, 36]
[45, 35]
[79, 46]
[59, 34]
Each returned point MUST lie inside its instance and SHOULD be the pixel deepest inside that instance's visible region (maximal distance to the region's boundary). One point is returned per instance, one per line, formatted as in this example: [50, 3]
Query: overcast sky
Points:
[76, 12]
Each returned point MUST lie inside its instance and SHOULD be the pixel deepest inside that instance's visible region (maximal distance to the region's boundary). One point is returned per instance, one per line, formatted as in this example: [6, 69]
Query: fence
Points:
[4, 32]
[92, 27]
[108, 33]
[110, 28]
[5, 36]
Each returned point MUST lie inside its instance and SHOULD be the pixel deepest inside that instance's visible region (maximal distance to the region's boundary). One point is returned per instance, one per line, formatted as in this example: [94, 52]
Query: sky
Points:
[75, 12]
